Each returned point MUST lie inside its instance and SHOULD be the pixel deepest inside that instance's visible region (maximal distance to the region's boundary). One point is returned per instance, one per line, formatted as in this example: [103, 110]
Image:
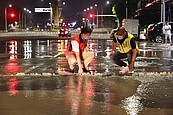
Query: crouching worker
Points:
[128, 48]
[77, 52]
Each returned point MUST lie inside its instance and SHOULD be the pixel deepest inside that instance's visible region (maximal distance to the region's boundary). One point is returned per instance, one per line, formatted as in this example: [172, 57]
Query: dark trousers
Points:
[119, 56]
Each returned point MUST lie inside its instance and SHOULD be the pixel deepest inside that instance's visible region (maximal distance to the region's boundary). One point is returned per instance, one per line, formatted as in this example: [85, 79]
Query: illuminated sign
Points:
[43, 9]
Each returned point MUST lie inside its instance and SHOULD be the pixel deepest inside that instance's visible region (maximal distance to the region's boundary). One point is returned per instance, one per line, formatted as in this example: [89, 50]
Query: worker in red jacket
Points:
[77, 53]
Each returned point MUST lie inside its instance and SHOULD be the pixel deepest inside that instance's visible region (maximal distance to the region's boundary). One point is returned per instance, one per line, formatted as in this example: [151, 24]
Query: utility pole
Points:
[50, 17]
[6, 29]
[97, 19]
[163, 11]
[102, 17]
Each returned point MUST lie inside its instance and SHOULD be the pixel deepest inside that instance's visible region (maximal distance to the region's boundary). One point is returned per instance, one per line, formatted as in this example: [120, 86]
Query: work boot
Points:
[75, 69]
[124, 70]
[86, 71]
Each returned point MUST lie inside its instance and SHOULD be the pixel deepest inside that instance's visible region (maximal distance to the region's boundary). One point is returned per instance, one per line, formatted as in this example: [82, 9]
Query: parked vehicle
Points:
[64, 33]
[155, 33]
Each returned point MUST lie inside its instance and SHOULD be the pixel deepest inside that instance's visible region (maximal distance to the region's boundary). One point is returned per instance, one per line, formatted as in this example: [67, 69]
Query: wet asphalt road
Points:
[37, 89]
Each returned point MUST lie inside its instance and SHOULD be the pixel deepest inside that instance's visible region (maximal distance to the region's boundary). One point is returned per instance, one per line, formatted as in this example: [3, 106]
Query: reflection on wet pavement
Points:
[30, 84]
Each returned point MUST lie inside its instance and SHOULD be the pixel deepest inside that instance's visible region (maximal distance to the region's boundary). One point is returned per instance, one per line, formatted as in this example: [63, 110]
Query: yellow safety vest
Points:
[125, 47]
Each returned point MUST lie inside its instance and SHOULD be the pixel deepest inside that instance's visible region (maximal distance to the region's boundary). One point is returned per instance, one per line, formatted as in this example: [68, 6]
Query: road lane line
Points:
[35, 67]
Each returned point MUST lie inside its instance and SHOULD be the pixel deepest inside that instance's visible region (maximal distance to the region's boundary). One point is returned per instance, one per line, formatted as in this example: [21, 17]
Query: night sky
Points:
[72, 7]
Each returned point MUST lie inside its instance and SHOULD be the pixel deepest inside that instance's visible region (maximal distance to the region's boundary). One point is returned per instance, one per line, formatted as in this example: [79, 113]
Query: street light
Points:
[91, 7]
[92, 15]
[63, 3]
[21, 13]
[24, 25]
[97, 24]
[6, 22]
[84, 20]
[95, 5]
[107, 3]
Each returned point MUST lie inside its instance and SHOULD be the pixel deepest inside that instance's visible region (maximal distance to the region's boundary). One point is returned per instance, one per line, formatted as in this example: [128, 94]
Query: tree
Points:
[57, 9]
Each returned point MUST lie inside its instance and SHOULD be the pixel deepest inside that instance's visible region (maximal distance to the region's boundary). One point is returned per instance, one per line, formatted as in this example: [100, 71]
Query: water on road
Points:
[30, 84]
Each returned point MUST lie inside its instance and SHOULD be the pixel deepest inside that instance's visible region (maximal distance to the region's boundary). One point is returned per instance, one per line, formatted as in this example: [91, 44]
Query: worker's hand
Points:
[112, 52]
[80, 71]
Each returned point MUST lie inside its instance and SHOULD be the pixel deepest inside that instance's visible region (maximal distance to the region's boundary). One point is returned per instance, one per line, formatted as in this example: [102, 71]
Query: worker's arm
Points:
[79, 62]
[134, 53]
[113, 47]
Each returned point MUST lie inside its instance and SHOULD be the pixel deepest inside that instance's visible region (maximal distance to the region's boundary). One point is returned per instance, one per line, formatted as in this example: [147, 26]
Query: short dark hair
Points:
[86, 30]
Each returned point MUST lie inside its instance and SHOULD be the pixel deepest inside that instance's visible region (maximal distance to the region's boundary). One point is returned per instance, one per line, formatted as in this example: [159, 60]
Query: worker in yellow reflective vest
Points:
[128, 48]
